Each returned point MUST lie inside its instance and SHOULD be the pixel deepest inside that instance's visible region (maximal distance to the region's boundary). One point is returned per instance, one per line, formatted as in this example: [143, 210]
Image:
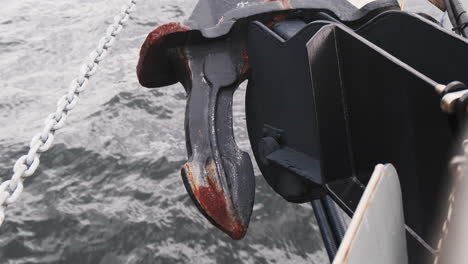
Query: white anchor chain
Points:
[26, 165]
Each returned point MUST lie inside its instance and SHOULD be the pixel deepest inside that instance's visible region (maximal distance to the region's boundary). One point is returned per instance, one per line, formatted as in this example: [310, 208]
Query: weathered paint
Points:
[155, 37]
[214, 201]
[275, 19]
[166, 29]
[173, 53]
[246, 65]
[150, 53]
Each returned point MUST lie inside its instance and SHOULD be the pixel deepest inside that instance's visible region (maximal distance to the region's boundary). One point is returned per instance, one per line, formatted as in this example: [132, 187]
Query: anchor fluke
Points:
[215, 202]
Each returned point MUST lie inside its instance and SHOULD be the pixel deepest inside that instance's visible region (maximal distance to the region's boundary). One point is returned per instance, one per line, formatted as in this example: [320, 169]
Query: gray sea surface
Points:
[110, 190]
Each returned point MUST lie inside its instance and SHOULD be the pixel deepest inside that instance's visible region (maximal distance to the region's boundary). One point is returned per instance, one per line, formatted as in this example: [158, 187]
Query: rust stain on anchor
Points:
[156, 35]
[275, 19]
[152, 56]
[246, 68]
[216, 204]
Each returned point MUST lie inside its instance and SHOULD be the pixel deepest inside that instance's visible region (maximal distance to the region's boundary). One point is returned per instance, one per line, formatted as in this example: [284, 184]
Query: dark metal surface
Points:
[328, 236]
[324, 104]
[218, 175]
[458, 16]
[357, 107]
[211, 63]
[331, 224]
[390, 113]
[336, 219]
[346, 193]
[214, 18]
[411, 39]
[287, 104]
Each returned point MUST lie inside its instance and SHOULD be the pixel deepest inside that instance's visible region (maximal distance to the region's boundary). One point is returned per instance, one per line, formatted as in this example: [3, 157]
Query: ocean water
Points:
[110, 190]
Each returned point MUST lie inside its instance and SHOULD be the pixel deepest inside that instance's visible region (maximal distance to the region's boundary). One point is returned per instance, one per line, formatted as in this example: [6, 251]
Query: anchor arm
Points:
[218, 175]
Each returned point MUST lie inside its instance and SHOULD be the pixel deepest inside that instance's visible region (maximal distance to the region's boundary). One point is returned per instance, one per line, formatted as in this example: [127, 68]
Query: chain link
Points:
[26, 165]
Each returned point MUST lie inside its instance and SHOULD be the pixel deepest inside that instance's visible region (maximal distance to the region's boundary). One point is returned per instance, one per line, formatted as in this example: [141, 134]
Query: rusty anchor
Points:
[218, 175]
[208, 55]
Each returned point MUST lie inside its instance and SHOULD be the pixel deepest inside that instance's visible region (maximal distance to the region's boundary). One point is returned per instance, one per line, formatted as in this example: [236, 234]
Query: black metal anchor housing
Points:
[333, 90]
[330, 104]
[207, 54]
